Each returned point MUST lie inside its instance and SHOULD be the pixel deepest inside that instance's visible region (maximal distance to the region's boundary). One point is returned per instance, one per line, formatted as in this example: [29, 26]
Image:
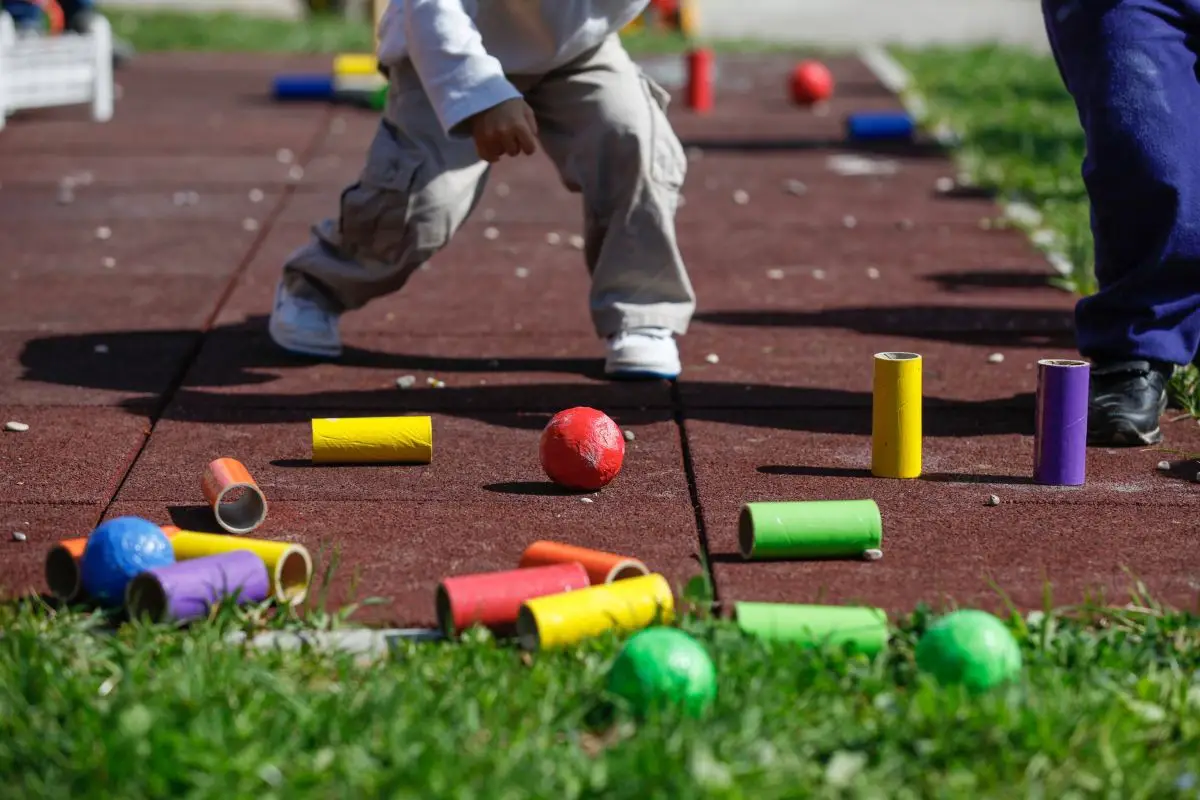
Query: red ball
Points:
[812, 82]
[582, 448]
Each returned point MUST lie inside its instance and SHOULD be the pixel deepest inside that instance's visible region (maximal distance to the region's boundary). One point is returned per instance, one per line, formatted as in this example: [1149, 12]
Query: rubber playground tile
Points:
[1076, 553]
[479, 373]
[790, 367]
[486, 458]
[399, 551]
[131, 369]
[177, 173]
[22, 563]
[136, 206]
[68, 455]
[62, 303]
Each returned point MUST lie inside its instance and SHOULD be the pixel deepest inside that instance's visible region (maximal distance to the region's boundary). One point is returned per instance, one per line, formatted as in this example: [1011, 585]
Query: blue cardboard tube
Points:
[880, 125]
[303, 87]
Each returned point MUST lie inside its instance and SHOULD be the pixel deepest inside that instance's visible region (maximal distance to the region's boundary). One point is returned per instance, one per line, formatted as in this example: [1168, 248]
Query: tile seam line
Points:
[189, 360]
[689, 471]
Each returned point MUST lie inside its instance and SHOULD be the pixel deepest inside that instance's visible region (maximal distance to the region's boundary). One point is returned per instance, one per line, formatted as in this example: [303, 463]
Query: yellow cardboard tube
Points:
[372, 440]
[559, 620]
[896, 416]
[355, 64]
[288, 565]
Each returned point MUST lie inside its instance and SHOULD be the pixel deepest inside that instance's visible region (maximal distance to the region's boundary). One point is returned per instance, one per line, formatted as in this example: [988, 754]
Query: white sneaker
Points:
[643, 353]
[304, 326]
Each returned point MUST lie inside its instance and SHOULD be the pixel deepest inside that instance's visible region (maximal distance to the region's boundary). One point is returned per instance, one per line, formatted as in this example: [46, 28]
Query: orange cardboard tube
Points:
[62, 566]
[601, 567]
[237, 502]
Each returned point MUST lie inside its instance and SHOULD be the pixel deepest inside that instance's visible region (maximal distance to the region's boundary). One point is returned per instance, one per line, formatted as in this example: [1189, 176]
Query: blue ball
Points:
[117, 552]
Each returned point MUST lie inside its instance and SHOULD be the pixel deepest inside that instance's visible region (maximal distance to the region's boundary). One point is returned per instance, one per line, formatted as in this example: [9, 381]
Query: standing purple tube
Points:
[187, 589]
[1060, 435]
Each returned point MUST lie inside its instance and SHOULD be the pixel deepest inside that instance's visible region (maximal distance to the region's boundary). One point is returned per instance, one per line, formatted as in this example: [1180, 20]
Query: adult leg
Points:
[417, 188]
[1131, 67]
[603, 122]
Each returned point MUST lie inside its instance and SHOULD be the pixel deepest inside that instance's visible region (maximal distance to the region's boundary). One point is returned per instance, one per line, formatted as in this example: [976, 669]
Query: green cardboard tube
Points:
[863, 628]
[809, 529]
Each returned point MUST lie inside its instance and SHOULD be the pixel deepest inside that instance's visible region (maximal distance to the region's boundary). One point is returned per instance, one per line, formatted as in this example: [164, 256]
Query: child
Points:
[77, 16]
[472, 81]
[1131, 68]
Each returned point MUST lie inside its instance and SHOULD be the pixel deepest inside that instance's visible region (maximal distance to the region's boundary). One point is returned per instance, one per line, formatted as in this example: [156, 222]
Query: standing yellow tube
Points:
[896, 416]
[559, 620]
[372, 440]
[288, 565]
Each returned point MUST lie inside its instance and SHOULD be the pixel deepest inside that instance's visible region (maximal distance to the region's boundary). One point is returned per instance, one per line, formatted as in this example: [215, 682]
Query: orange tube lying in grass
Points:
[62, 566]
[237, 502]
[601, 567]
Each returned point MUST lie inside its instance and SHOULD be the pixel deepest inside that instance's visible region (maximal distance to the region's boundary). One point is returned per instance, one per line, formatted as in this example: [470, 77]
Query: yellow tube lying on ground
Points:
[348, 64]
[896, 416]
[372, 440]
[558, 620]
[288, 565]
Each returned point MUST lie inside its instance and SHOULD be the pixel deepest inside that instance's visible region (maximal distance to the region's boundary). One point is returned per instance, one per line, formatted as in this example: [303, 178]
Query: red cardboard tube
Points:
[700, 80]
[493, 599]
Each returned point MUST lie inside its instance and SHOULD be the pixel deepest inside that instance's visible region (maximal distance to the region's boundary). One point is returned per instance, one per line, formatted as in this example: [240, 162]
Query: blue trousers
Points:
[1131, 66]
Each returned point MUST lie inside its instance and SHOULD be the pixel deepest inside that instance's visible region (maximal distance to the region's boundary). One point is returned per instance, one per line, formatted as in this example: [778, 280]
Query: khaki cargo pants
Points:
[601, 121]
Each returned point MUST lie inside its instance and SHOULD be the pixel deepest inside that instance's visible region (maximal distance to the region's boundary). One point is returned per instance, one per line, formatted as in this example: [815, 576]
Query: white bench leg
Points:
[102, 100]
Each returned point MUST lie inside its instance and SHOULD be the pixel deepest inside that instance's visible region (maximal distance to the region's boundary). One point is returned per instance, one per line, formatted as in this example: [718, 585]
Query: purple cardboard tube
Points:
[187, 589]
[1060, 432]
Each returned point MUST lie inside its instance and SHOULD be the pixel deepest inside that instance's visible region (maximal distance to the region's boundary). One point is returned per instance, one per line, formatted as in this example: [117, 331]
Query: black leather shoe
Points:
[1127, 399]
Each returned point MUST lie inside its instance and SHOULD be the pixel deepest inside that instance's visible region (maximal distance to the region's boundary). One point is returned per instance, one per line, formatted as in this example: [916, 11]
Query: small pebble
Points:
[993, 500]
[17, 536]
[873, 554]
[576, 241]
[249, 224]
[985, 223]
[586, 500]
[16, 427]
[944, 185]
[819, 274]
[439, 384]
[285, 156]
[522, 272]
[1164, 466]
[100, 348]
[629, 437]
[406, 382]
[905, 224]
[256, 195]
[775, 274]
[180, 199]
[712, 358]
[109, 262]
[66, 195]
[741, 198]
[872, 273]
[85, 178]
[849, 221]
[104, 232]
[996, 358]
[296, 172]
[491, 234]
[502, 189]
[795, 187]
[553, 238]
[694, 154]
[431, 381]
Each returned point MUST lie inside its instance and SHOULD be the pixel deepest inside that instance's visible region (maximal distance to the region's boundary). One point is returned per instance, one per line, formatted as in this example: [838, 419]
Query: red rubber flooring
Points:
[133, 343]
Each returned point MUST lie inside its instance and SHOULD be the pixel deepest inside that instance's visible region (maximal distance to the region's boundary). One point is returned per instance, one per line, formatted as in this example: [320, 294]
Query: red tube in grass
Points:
[493, 599]
[700, 80]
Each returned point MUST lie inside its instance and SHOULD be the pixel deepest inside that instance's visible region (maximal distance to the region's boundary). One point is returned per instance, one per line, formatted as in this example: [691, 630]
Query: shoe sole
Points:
[302, 351]
[1125, 436]
[640, 375]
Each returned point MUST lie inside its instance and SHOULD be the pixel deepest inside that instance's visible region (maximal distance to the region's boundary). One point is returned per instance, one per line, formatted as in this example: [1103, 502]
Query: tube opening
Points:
[292, 576]
[240, 508]
[898, 356]
[527, 630]
[1063, 362]
[746, 533]
[627, 569]
[146, 597]
[62, 574]
[445, 613]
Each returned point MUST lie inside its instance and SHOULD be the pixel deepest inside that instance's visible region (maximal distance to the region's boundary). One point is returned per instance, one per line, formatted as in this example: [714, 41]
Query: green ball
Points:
[969, 647]
[661, 667]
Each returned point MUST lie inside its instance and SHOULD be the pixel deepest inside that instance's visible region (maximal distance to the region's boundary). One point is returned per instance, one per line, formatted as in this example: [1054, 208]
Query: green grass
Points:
[1020, 135]
[1108, 705]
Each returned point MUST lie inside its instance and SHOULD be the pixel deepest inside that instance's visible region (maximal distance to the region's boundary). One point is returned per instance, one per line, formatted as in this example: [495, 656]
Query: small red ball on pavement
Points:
[582, 448]
[812, 82]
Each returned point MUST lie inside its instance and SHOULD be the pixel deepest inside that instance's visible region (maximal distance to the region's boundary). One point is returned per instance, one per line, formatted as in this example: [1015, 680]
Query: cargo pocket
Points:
[668, 163]
[375, 210]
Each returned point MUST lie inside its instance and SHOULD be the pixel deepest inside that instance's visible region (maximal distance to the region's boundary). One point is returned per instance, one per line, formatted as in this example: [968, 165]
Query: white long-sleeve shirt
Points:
[462, 49]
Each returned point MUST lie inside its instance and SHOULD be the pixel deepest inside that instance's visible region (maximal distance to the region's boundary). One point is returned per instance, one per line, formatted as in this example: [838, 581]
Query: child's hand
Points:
[506, 129]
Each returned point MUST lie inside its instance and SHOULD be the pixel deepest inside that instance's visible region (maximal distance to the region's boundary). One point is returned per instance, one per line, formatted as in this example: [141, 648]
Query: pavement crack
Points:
[689, 470]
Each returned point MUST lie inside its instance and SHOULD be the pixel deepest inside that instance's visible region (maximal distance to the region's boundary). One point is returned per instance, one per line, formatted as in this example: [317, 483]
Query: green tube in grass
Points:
[810, 529]
[863, 628]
